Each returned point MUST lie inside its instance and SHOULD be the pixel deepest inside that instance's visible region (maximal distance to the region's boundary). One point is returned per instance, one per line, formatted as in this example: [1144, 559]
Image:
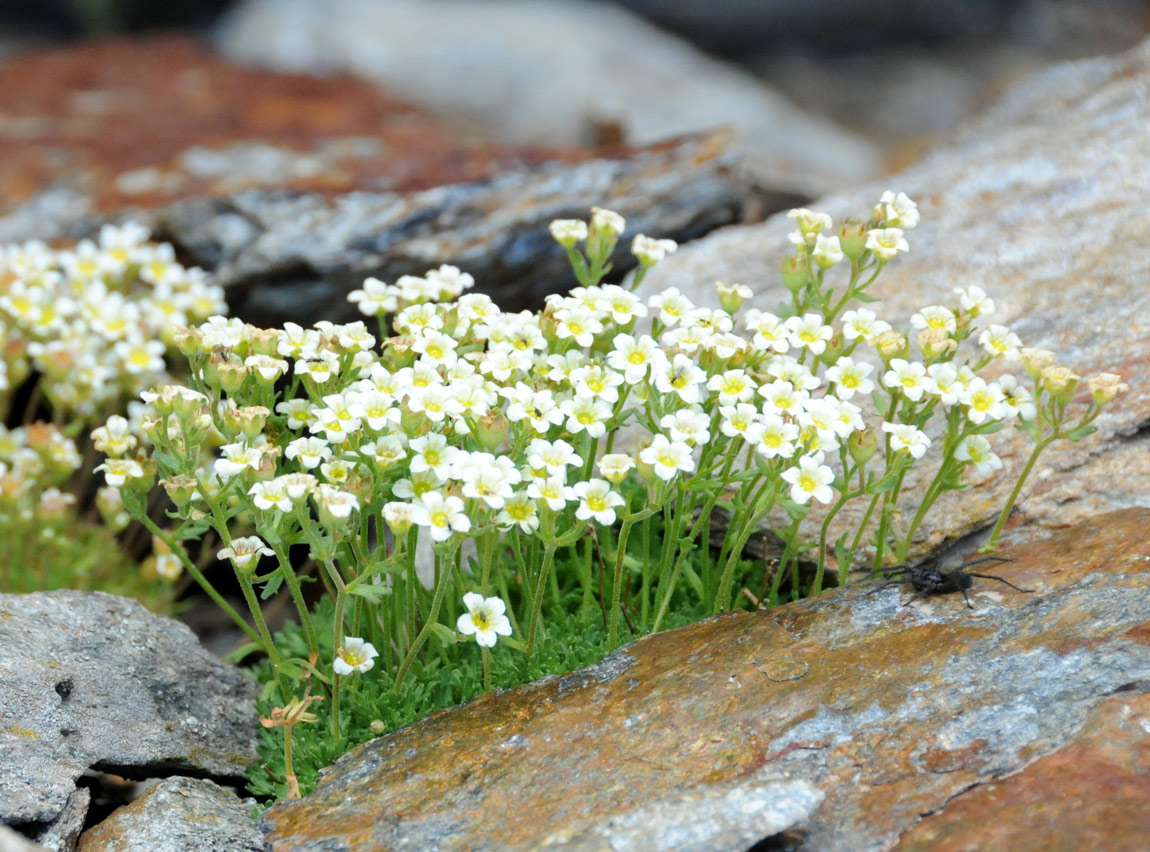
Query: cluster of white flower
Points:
[95, 320]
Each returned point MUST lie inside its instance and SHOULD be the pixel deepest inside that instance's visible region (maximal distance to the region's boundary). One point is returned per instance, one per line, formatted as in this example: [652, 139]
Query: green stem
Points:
[441, 582]
[537, 598]
[617, 588]
[992, 542]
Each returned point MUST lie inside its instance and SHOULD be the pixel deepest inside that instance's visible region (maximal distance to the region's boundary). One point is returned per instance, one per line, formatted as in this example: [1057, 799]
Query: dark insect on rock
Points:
[64, 688]
[931, 579]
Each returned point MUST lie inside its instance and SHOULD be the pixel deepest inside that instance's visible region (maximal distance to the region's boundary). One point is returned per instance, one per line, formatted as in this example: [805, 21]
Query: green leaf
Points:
[796, 511]
[370, 591]
[864, 298]
[444, 634]
[272, 586]
[243, 652]
[885, 484]
[1030, 427]
[1080, 433]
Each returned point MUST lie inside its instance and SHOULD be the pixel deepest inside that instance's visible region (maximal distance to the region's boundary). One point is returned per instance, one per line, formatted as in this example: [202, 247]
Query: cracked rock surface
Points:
[95, 681]
[881, 709]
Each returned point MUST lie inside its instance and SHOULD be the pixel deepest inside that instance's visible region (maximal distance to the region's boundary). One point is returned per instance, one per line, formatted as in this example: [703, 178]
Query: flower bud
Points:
[1105, 386]
[232, 375]
[731, 297]
[862, 445]
[1034, 361]
[891, 344]
[491, 429]
[935, 343]
[614, 467]
[852, 238]
[188, 340]
[568, 232]
[796, 272]
[181, 489]
[828, 251]
[1060, 382]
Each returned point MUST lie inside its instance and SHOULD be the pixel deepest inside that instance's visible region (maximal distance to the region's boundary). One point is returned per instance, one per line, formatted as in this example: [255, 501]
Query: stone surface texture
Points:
[532, 72]
[63, 833]
[890, 708]
[295, 257]
[1042, 203]
[179, 815]
[135, 123]
[96, 681]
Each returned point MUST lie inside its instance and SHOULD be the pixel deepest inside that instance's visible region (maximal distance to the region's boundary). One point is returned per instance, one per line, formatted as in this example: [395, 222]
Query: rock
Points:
[95, 681]
[179, 815]
[889, 710]
[63, 833]
[528, 72]
[295, 257]
[1041, 202]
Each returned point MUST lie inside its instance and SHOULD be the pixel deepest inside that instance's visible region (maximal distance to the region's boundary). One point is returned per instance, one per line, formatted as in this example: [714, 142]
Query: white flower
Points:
[585, 413]
[828, 251]
[236, 458]
[607, 220]
[519, 510]
[935, 316]
[741, 420]
[431, 452]
[770, 332]
[650, 251]
[733, 386]
[899, 210]
[984, 401]
[690, 426]
[671, 305]
[114, 437]
[1016, 399]
[908, 377]
[886, 242]
[623, 305]
[809, 332]
[680, 376]
[863, 323]
[668, 457]
[594, 380]
[484, 479]
[245, 549]
[552, 490]
[1000, 340]
[119, 471]
[582, 325]
[810, 479]
[598, 501]
[567, 232]
[850, 377]
[903, 436]
[808, 221]
[335, 501]
[266, 367]
[271, 495]
[974, 301]
[443, 515]
[484, 619]
[615, 466]
[976, 450]
[309, 452]
[947, 386]
[354, 656]
[782, 397]
[376, 297]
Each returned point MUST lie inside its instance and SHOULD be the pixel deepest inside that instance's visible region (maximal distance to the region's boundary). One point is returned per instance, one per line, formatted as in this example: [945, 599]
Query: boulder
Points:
[855, 718]
[179, 815]
[1040, 202]
[554, 72]
[94, 681]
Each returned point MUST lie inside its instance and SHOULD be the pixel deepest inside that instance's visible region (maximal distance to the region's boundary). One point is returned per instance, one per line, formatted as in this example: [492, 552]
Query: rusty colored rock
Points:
[891, 708]
[1090, 794]
[1042, 203]
[135, 123]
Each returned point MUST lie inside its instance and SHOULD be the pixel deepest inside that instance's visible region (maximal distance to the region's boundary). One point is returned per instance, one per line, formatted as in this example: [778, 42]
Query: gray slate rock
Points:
[1042, 203]
[287, 256]
[179, 815]
[63, 833]
[96, 681]
[542, 72]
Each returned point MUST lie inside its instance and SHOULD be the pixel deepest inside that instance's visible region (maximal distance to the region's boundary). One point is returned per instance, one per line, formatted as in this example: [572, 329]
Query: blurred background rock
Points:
[877, 80]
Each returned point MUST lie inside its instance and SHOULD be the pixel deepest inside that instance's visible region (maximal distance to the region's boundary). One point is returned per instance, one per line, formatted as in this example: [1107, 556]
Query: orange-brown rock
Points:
[892, 708]
[138, 122]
